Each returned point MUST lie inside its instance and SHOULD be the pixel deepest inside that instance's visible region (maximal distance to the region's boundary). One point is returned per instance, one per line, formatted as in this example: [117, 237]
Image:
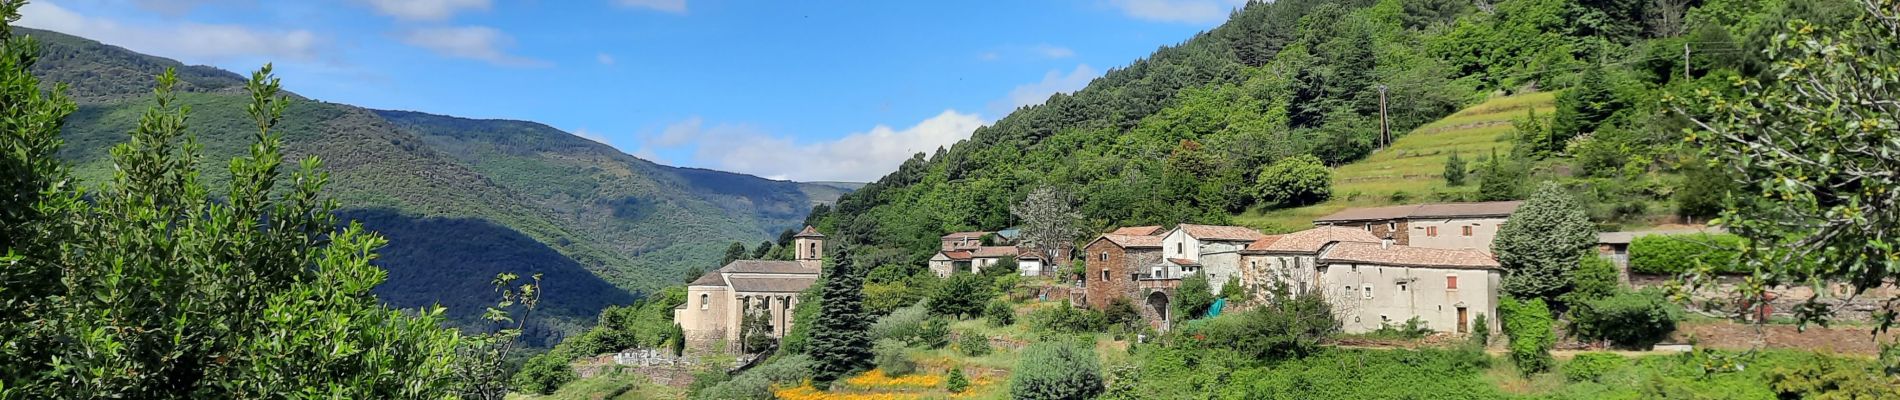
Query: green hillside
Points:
[1415, 163]
[462, 199]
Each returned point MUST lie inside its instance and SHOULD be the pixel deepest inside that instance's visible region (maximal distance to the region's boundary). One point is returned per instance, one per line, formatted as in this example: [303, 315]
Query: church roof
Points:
[809, 232]
[768, 267]
[709, 279]
[787, 284]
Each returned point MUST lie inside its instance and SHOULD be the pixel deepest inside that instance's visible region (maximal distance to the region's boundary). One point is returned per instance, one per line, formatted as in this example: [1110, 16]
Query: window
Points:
[1180, 248]
[705, 301]
[1104, 275]
[1451, 282]
[1391, 226]
[1401, 287]
[1104, 256]
[1368, 227]
[1467, 230]
[1431, 231]
[1368, 291]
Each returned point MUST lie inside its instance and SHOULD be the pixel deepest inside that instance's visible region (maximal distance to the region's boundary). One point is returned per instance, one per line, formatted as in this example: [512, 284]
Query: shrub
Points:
[1528, 322]
[1193, 297]
[1066, 318]
[904, 324]
[1121, 312]
[756, 383]
[1064, 369]
[960, 296]
[1589, 367]
[543, 374]
[1676, 254]
[1294, 181]
[1480, 330]
[1413, 328]
[999, 314]
[888, 355]
[1595, 277]
[973, 344]
[1233, 291]
[956, 383]
[1628, 319]
[1291, 327]
[935, 334]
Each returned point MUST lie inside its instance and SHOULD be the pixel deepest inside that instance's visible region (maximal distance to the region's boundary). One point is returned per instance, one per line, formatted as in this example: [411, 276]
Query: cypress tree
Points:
[840, 338]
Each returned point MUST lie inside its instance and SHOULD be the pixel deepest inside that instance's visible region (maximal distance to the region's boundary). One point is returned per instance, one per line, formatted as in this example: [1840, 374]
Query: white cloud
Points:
[470, 42]
[1052, 82]
[1053, 51]
[191, 42]
[1182, 11]
[858, 157]
[604, 58]
[425, 10]
[671, 6]
[171, 8]
[591, 135]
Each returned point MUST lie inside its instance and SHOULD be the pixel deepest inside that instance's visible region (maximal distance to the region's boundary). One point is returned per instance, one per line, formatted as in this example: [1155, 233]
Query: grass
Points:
[1415, 163]
[610, 386]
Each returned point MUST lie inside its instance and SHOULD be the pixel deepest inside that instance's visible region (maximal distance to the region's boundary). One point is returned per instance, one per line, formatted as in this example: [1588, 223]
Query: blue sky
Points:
[780, 89]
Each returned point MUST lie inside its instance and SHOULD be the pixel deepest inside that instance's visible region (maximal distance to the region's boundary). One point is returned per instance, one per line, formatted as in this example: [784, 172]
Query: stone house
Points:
[1114, 265]
[963, 240]
[1439, 226]
[719, 300]
[1210, 249]
[1377, 284]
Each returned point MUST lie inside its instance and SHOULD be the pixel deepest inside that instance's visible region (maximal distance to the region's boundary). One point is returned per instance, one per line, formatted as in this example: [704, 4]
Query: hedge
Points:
[1675, 254]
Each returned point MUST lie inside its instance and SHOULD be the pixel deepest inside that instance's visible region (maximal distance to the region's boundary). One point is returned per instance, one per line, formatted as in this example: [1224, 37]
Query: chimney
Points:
[1386, 243]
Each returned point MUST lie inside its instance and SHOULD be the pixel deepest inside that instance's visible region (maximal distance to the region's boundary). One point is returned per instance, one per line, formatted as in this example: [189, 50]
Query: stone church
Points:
[718, 301]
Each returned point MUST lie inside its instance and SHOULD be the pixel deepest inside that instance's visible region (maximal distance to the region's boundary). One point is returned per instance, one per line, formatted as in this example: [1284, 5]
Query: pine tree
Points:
[1540, 245]
[840, 338]
[1455, 170]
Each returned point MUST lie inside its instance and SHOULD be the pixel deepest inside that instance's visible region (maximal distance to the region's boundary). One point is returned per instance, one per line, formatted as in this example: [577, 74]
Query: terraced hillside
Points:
[1412, 170]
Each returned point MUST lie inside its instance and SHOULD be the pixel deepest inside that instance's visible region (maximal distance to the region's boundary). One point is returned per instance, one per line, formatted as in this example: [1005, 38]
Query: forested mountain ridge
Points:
[461, 199]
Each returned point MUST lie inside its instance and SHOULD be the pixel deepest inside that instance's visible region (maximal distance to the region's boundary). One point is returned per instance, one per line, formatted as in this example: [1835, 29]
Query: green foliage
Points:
[1287, 325]
[956, 383]
[999, 313]
[1800, 136]
[1294, 181]
[840, 338]
[1503, 179]
[1066, 318]
[1628, 319]
[1679, 254]
[1329, 373]
[1193, 297]
[1121, 312]
[935, 333]
[1481, 330]
[1412, 328]
[755, 383]
[1233, 291]
[1054, 370]
[542, 374]
[1704, 191]
[1580, 111]
[1455, 170]
[889, 356]
[962, 295]
[1528, 323]
[1832, 378]
[973, 344]
[1589, 367]
[1540, 244]
[1595, 277]
[168, 293]
[755, 332]
[905, 324]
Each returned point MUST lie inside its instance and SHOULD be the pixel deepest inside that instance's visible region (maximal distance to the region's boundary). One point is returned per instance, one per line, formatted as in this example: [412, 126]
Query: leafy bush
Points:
[1121, 312]
[1628, 319]
[1832, 378]
[956, 383]
[1066, 318]
[935, 333]
[889, 356]
[1528, 322]
[973, 344]
[1413, 328]
[1676, 254]
[1289, 327]
[542, 374]
[1589, 367]
[1193, 297]
[1053, 370]
[999, 313]
[756, 383]
[1294, 181]
[1481, 330]
[962, 295]
[905, 324]
[1233, 291]
[1595, 277]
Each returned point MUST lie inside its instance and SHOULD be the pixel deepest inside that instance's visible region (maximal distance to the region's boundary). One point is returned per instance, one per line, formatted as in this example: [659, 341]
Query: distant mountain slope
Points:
[461, 199]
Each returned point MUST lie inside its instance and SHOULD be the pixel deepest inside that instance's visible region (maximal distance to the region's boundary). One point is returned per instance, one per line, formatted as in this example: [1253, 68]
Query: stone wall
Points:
[1782, 300]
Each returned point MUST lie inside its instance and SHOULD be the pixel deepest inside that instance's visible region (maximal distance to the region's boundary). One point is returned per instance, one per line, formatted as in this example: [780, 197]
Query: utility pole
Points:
[1385, 128]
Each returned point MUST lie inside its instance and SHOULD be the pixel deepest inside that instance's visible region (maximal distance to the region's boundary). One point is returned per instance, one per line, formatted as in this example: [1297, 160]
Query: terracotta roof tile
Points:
[809, 232]
[958, 255]
[709, 279]
[1149, 230]
[1184, 262]
[1312, 240]
[1028, 254]
[1407, 256]
[1262, 244]
[768, 267]
[1221, 232]
[1132, 241]
[971, 235]
[789, 284]
[994, 251]
[1438, 210]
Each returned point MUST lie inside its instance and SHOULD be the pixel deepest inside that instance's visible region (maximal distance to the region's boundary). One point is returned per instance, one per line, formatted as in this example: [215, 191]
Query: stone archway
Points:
[1158, 306]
